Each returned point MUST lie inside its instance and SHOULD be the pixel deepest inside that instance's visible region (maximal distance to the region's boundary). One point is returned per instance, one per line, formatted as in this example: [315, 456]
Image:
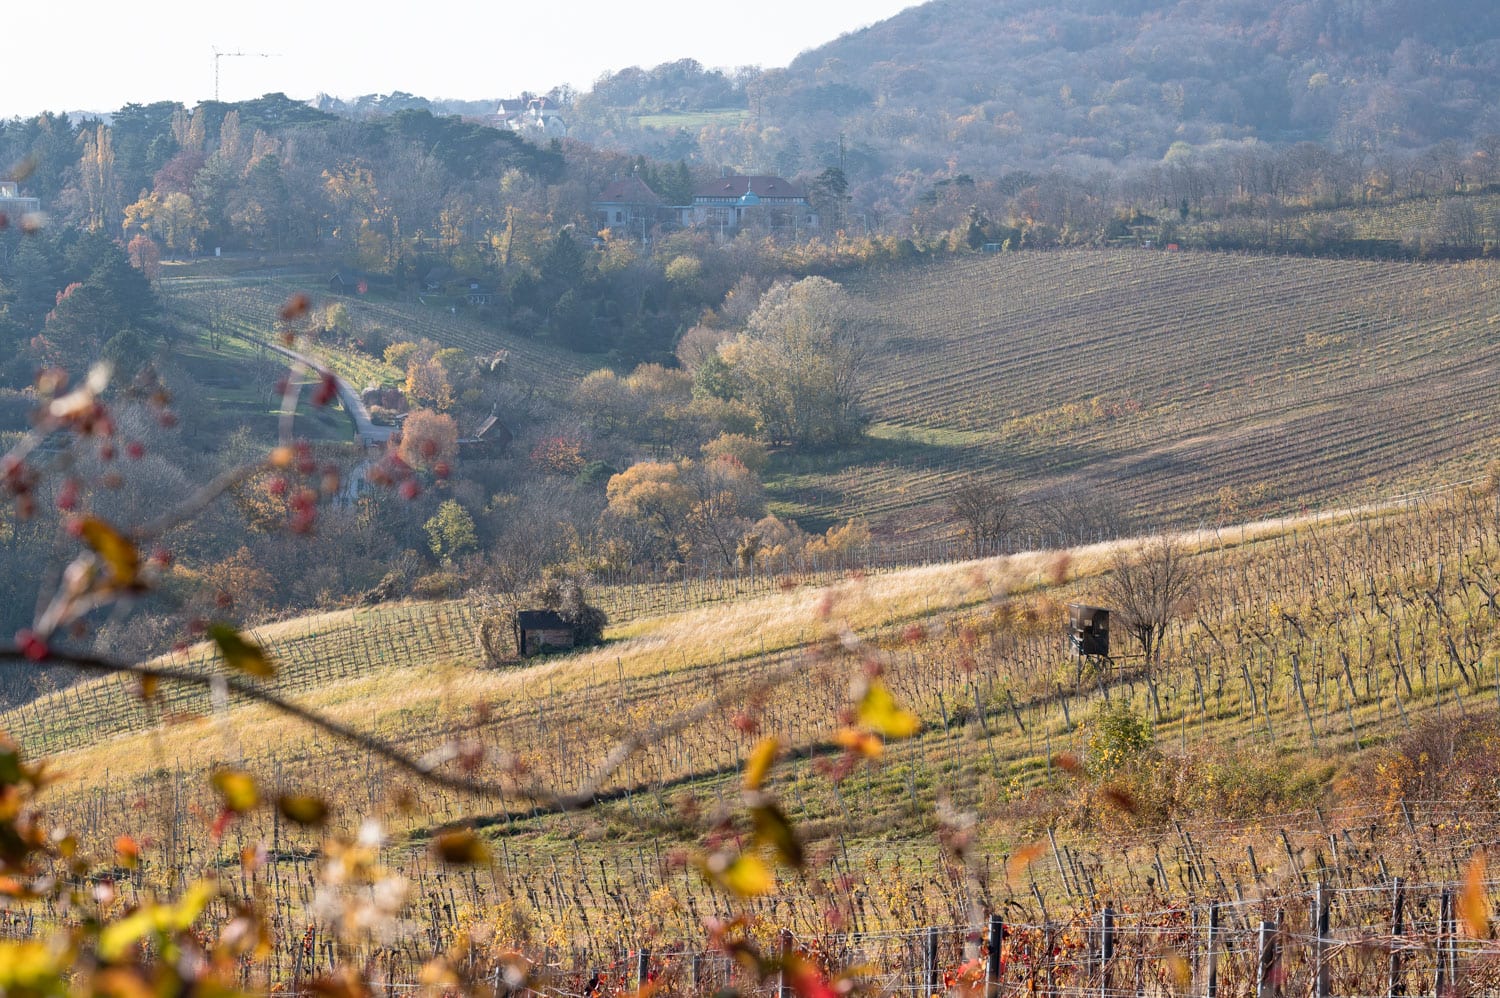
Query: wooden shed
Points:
[539, 631]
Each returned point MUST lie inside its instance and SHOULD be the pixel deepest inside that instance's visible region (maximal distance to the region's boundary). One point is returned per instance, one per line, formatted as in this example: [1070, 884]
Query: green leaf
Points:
[241, 653]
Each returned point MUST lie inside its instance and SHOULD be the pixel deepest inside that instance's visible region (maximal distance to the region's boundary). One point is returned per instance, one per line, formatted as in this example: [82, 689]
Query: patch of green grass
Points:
[693, 120]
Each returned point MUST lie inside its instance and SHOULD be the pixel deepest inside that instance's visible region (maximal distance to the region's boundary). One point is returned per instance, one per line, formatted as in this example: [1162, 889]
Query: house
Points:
[730, 203]
[477, 292]
[436, 277]
[490, 437]
[540, 631]
[629, 206]
[14, 209]
[535, 117]
[347, 282]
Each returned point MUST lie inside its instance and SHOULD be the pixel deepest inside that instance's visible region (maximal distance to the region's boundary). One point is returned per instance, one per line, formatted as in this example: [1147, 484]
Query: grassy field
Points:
[693, 120]
[1194, 388]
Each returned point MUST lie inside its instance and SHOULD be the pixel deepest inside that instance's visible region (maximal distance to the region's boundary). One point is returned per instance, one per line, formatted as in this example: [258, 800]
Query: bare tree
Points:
[1146, 589]
[987, 510]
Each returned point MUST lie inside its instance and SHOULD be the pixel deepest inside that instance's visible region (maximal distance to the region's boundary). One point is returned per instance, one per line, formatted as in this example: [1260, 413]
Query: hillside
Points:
[1188, 388]
[1040, 78]
[1316, 660]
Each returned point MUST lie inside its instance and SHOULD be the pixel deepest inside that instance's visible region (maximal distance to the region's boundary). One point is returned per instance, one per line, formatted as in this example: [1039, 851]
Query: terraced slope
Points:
[1193, 386]
[251, 307]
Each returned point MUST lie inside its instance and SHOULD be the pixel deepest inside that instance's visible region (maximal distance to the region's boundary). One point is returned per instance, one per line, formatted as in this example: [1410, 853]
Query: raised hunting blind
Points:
[1088, 629]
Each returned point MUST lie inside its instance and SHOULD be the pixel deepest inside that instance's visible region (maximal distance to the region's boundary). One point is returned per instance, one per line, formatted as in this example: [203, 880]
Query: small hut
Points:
[540, 631]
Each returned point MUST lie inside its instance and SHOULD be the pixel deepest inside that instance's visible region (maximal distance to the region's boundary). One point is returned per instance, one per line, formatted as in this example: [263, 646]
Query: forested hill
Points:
[1099, 89]
[1113, 79]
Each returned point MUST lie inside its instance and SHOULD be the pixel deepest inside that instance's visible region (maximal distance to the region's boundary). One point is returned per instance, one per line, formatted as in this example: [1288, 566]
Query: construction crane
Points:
[226, 55]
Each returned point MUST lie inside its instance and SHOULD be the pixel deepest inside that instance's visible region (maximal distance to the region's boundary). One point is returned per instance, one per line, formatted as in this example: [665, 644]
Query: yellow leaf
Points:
[240, 653]
[773, 829]
[860, 742]
[879, 712]
[760, 762]
[117, 553]
[1179, 970]
[32, 965]
[238, 789]
[1474, 902]
[117, 938]
[461, 847]
[745, 875]
[302, 809]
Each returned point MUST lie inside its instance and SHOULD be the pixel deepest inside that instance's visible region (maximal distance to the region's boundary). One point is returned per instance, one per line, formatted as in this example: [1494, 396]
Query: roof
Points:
[631, 190]
[541, 620]
[739, 186]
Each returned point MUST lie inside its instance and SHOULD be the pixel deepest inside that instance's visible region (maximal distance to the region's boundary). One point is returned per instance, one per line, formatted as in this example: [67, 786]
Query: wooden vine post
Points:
[1396, 986]
[1265, 966]
[1321, 976]
[992, 964]
[1106, 947]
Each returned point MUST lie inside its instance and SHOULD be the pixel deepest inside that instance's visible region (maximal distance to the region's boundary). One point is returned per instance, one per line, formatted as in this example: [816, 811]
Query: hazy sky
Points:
[100, 54]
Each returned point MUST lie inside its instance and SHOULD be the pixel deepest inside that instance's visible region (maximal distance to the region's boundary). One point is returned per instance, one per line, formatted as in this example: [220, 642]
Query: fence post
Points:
[1440, 982]
[1396, 987]
[1265, 984]
[934, 976]
[1212, 988]
[1320, 934]
[783, 988]
[992, 967]
[1106, 947]
[697, 977]
[642, 967]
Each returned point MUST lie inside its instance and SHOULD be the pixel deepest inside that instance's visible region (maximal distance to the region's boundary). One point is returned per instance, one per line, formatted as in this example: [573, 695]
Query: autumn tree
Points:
[688, 507]
[429, 440]
[987, 511]
[450, 531]
[1147, 589]
[799, 364]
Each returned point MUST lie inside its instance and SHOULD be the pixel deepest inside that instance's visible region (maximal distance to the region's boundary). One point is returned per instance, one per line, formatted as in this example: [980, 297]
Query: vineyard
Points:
[249, 308]
[1323, 713]
[1196, 388]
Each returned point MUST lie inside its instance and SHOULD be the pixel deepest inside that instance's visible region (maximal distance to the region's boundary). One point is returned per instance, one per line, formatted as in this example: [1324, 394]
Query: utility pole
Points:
[236, 53]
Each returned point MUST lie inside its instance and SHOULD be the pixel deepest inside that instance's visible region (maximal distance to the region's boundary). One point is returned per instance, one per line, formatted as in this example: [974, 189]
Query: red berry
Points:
[31, 646]
[135, 450]
[276, 486]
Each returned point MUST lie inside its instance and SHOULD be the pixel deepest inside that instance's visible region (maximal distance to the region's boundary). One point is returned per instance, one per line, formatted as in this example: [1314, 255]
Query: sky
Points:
[122, 53]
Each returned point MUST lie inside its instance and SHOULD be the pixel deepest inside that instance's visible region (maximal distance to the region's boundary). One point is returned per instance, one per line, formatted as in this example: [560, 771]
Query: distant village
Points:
[629, 206]
[724, 206]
